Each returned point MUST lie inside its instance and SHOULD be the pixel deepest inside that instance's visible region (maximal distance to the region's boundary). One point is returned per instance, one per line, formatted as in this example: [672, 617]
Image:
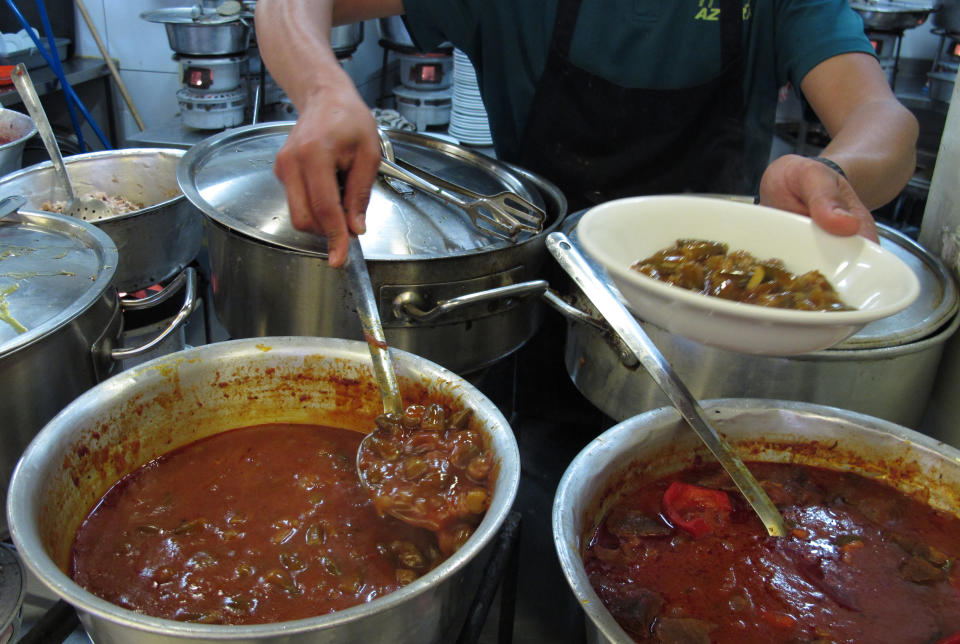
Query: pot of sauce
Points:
[157, 231]
[176, 400]
[886, 370]
[445, 290]
[657, 443]
[60, 322]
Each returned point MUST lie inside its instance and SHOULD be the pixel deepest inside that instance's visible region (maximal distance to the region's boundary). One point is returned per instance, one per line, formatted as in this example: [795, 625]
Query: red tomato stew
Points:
[254, 525]
[685, 560]
[707, 268]
[431, 471]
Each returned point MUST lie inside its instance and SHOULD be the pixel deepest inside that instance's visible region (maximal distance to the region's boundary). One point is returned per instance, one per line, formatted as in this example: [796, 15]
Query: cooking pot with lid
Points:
[886, 370]
[155, 242]
[153, 408]
[657, 443]
[446, 290]
[202, 31]
[891, 15]
[60, 322]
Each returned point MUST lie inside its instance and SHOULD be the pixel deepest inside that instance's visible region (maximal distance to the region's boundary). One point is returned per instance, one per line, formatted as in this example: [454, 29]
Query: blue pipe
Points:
[68, 89]
[58, 70]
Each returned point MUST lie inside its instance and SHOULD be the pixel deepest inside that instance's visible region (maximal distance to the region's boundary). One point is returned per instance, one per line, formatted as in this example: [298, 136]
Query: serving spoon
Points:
[637, 340]
[87, 208]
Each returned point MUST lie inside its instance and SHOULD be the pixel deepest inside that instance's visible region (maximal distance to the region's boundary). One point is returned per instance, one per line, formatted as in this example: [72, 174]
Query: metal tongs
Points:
[504, 215]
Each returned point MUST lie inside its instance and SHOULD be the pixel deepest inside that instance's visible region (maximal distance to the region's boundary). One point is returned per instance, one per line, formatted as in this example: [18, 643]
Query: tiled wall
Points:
[146, 61]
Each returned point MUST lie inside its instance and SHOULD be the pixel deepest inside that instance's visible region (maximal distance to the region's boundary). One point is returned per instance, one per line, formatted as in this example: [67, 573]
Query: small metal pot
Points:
[445, 290]
[890, 15]
[156, 242]
[15, 130]
[202, 31]
[886, 370]
[345, 39]
[156, 407]
[658, 443]
[60, 322]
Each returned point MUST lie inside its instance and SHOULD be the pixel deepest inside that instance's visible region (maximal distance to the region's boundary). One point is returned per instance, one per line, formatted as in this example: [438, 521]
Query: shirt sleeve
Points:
[434, 22]
[810, 31]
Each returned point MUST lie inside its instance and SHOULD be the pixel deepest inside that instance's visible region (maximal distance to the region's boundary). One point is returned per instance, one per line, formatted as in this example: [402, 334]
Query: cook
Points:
[610, 99]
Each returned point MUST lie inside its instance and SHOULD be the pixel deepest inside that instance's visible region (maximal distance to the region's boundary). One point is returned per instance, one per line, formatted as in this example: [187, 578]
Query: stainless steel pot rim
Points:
[185, 16]
[595, 454]
[229, 177]
[24, 119]
[27, 539]
[95, 156]
[86, 236]
[892, 6]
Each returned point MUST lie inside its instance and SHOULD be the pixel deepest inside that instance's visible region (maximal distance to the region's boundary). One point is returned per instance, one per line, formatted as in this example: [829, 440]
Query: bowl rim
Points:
[712, 304]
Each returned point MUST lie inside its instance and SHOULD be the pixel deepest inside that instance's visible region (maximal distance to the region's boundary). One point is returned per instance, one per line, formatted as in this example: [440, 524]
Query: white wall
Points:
[146, 63]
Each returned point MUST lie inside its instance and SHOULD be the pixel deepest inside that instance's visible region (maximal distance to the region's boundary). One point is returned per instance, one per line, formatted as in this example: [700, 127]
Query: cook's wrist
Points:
[830, 163]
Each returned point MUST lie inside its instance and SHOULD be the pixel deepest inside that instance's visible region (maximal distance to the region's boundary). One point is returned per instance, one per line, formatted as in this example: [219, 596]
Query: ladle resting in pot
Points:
[663, 374]
[420, 465]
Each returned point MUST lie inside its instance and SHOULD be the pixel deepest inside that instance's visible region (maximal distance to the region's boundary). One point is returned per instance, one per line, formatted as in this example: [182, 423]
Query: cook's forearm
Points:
[876, 147]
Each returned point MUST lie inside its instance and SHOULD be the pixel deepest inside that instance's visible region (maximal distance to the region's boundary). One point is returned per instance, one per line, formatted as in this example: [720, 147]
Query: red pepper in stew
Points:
[696, 510]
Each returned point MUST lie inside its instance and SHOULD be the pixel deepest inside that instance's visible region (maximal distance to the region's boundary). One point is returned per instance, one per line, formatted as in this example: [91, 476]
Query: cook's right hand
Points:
[335, 132]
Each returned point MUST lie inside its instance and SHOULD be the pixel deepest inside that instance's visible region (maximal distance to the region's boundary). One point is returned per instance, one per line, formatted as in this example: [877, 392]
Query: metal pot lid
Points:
[191, 16]
[891, 6]
[935, 306]
[52, 268]
[229, 177]
[12, 587]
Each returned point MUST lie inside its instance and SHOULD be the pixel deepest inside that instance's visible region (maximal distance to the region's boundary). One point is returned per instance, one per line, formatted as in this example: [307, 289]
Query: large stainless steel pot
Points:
[15, 130]
[156, 242]
[202, 31]
[168, 402]
[891, 15]
[445, 290]
[658, 442]
[886, 370]
[60, 322]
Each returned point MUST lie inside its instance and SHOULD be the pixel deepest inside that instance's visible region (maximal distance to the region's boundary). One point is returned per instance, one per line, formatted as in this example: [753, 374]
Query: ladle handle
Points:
[358, 279]
[637, 340]
[28, 94]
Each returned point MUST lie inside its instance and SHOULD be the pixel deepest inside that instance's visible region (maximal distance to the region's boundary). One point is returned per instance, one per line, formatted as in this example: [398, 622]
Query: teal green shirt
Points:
[638, 43]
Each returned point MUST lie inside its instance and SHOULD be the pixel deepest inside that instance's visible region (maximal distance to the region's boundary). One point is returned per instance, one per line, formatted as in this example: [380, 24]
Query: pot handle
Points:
[189, 302]
[406, 306]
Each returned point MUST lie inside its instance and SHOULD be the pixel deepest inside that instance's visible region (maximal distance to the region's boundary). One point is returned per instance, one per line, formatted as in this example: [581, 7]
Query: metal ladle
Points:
[88, 209]
[637, 340]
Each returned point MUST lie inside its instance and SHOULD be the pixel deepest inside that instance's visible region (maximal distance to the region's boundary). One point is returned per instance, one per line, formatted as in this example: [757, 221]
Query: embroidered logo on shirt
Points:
[706, 11]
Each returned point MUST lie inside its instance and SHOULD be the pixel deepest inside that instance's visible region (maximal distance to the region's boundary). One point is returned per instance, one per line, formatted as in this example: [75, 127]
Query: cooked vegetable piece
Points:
[699, 511]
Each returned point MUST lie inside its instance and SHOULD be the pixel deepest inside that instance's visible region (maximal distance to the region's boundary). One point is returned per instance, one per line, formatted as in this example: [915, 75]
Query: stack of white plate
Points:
[468, 116]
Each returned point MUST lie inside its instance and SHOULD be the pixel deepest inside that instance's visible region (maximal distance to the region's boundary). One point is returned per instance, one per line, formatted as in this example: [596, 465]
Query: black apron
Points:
[599, 141]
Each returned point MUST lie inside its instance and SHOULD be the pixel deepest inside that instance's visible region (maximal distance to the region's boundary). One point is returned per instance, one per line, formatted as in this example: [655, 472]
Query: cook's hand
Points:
[807, 187]
[334, 132]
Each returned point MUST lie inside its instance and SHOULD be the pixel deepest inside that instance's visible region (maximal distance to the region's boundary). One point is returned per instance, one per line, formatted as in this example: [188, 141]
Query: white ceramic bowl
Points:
[872, 280]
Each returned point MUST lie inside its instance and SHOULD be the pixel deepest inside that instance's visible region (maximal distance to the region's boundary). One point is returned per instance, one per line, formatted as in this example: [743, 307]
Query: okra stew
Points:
[266, 524]
[685, 560]
[708, 268]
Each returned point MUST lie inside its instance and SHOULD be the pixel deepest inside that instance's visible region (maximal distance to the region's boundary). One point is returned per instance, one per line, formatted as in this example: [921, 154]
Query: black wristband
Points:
[830, 164]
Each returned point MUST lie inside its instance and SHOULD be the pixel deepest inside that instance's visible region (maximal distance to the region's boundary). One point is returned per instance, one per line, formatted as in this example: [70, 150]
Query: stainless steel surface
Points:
[345, 39]
[21, 80]
[275, 380]
[156, 242]
[229, 176]
[11, 204]
[829, 437]
[358, 281]
[204, 33]
[891, 15]
[630, 331]
[887, 370]
[187, 278]
[16, 129]
[12, 590]
[271, 280]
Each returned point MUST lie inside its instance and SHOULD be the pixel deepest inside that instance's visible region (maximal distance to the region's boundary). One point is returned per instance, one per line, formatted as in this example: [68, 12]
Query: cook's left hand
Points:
[807, 187]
